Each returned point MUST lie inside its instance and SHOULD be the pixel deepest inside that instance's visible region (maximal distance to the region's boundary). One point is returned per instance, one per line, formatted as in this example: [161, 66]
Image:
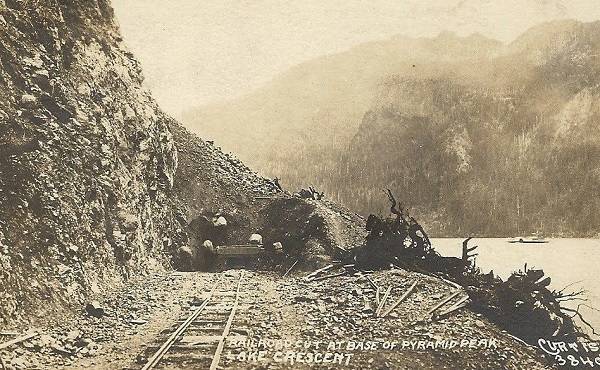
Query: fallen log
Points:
[329, 276]
[290, 269]
[401, 299]
[457, 306]
[519, 340]
[344, 251]
[17, 340]
[9, 333]
[310, 276]
[449, 282]
[442, 303]
[374, 286]
[383, 300]
[428, 273]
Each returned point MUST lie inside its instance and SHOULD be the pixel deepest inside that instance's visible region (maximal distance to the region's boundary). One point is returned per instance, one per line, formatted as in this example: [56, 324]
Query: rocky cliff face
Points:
[87, 159]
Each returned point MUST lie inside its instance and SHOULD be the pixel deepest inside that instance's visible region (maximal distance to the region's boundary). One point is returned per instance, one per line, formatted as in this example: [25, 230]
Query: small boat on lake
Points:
[534, 240]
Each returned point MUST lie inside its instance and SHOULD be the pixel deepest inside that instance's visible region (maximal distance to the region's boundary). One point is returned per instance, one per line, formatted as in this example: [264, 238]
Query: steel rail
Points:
[217, 355]
[155, 359]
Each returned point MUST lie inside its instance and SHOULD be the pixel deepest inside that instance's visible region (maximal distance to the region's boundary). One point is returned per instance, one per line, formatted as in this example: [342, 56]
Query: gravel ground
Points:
[324, 324]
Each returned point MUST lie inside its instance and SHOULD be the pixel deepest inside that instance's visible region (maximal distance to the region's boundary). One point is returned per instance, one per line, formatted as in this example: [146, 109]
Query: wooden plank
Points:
[328, 276]
[375, 287]
[443, 302]
[203, 322]
[342, 249]
[458, 305]
[316, 272]
[400, 300]
[239, 245]
[451, 283]
[290, 269]
[225, 294]
[206, 328]
[238, 250]
[193, 340]
[383, 300]
[9, 333]
[17, 340]
[373, 284]
[460, 302]
[177, 358]
[218, 308]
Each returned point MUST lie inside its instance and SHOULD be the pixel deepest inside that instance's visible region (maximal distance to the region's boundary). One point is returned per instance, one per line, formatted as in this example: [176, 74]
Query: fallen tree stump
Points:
[522, 305]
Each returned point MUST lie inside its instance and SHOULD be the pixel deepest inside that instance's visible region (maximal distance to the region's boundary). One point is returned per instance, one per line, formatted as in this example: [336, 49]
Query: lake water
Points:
[566, 261]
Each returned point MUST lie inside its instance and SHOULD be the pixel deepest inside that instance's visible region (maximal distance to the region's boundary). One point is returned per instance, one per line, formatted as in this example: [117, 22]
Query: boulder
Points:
[185, 252]
[208, 245]
[73, 335]
[95, 309]
[278, 247]
[220, 222]
[28, 100]
[256, 239]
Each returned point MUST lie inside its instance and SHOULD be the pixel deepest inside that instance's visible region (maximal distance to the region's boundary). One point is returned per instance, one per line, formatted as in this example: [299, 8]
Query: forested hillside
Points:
[479, 137]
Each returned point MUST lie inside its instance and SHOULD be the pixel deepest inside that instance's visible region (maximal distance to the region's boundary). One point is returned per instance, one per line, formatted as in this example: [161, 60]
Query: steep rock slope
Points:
[87, 160]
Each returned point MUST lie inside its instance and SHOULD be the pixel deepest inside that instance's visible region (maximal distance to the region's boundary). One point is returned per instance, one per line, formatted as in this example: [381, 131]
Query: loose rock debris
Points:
[380, 301]
[294, 313]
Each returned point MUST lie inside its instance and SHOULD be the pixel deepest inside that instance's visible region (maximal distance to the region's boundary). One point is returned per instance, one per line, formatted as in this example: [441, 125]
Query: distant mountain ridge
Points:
[478, 136]
[323, 100]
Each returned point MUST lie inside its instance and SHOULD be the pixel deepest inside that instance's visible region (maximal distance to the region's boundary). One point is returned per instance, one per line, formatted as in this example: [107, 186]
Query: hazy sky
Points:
[196, 52]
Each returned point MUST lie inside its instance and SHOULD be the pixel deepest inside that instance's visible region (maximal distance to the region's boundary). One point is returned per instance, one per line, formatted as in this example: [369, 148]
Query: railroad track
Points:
[198, 341]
